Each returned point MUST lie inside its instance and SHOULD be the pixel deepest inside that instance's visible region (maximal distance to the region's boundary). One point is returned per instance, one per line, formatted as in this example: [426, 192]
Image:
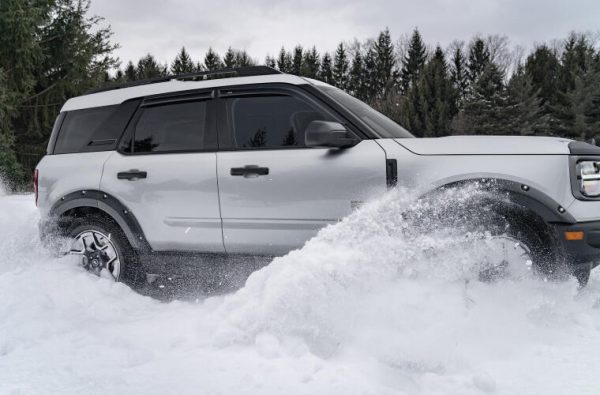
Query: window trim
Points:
[225, 132]
[171, 99]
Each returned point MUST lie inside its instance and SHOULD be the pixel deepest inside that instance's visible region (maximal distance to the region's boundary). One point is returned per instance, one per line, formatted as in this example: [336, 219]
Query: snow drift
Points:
[364, 307]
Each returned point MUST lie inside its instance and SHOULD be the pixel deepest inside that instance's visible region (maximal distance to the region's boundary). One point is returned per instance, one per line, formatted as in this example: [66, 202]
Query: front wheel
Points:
[100, 244]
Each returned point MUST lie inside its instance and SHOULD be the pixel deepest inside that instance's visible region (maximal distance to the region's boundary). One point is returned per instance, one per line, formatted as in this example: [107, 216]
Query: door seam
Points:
[219, 199]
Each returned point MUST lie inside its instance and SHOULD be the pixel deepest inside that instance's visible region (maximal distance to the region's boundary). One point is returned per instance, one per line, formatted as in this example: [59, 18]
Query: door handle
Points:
[131, 175]
[249, 171]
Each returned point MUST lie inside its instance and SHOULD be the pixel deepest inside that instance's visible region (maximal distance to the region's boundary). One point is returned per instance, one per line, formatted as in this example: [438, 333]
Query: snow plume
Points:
[316, 292]
[367, 306]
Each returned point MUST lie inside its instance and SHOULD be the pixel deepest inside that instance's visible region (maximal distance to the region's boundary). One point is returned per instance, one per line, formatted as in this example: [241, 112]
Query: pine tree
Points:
[356, 79]
[479, 58]
[341, 67]
[212, 61]
[413, 62]
[148, 67]
[229, 58]
[524, 112]
[183, 63]
[386, 73]
[297, 60]
[242, 59]
[326, 73]
[458, 75]
[270, 62]
[579, 82]
[311, 63]
[543, 69]
[130, 72]
[49, 51]
[284, 61]
[437, 96]
[485, 110]
[370, 76]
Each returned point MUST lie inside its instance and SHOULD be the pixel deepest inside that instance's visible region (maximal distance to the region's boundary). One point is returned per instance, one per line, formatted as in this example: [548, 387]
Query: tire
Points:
[490, 214]
[105, 229]
[582, 274]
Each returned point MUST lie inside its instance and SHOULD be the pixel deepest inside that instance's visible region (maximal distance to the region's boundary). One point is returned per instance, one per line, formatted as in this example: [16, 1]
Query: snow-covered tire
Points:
[492, 214]
[108, 230]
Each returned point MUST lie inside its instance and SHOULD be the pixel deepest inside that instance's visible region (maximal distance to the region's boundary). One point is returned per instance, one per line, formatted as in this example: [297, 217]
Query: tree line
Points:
[51, 50]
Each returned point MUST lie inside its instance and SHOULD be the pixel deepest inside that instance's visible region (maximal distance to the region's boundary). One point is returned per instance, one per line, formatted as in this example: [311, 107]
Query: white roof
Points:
[117, 96]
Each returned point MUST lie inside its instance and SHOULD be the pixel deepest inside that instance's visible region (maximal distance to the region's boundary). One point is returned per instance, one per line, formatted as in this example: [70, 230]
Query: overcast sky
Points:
[261, 27]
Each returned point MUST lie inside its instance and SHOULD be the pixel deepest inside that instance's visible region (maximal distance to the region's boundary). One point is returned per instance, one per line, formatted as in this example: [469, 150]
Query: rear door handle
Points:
[132, 175]
[249, 171]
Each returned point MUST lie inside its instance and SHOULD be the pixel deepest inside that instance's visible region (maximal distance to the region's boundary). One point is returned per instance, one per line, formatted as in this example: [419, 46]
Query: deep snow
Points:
[358, 310]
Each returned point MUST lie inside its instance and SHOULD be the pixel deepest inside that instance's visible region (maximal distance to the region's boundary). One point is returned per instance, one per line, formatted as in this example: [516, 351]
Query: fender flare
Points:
[524, 195]
[108, 204]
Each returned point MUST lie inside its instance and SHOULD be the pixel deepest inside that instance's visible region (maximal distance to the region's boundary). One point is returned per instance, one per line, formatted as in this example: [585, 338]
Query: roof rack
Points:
[249, 71]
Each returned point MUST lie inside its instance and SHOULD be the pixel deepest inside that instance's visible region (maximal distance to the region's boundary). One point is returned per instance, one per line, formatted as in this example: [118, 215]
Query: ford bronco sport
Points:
[251, 161]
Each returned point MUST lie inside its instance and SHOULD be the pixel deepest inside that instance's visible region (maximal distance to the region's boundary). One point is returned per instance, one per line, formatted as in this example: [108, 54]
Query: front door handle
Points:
[132, 175]
[249, 171]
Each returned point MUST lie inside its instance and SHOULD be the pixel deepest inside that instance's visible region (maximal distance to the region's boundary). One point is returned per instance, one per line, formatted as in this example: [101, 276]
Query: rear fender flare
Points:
[107, 204]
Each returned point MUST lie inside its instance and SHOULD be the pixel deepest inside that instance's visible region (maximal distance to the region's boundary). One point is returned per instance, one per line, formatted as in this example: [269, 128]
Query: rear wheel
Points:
[100, 245]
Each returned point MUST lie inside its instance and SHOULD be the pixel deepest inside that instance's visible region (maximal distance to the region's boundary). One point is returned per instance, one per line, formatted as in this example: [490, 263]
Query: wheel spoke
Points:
[97, 243]
[76, 252]
[97, 251]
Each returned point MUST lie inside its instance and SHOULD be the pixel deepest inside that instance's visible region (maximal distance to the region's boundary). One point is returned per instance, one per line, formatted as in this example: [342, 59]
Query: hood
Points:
[487, 145]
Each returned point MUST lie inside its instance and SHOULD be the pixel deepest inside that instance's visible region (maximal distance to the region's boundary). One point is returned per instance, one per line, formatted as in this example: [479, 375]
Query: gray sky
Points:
[261, 27]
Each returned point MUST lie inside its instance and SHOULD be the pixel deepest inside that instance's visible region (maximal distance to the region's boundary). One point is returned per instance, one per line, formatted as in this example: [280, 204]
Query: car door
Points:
[165, 173]
[276, 193]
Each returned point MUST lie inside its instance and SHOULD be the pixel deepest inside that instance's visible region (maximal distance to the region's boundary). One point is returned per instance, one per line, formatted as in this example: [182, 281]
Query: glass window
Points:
[274, 121]
[173, 127]
[382, 125]
[79, 127]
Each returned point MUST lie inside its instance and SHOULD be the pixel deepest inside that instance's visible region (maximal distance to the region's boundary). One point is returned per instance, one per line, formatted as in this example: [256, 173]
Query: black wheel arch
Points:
[524, 195]
[95, 201]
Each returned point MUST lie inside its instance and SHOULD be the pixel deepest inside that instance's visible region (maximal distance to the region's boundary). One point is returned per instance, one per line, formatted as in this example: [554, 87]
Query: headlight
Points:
[588, 176]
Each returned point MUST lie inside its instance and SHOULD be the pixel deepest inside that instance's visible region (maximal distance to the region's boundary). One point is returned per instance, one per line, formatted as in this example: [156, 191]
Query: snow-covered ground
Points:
[358, 310]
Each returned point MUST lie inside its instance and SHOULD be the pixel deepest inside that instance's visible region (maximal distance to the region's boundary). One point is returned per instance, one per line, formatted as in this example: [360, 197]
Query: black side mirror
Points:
[329, 134]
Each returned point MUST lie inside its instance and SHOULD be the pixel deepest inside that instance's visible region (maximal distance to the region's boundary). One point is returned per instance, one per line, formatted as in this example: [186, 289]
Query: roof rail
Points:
[249, 71]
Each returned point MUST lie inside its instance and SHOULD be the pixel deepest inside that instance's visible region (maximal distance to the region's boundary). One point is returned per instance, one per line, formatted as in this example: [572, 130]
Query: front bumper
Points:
[584, 251]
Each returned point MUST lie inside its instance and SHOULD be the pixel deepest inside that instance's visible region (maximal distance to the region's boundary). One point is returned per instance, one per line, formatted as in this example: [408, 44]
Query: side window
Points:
[79, 127]
[173, 127]
[271, 121]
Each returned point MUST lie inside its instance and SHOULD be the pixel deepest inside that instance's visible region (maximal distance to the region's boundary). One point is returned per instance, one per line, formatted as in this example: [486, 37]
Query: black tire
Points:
[130, 272]
[582, 274]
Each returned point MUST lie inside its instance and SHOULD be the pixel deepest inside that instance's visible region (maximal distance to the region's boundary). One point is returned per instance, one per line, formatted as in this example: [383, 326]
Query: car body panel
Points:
[546, 173]
[177, 204]
[487, 145]
[61, 175]
[305, 189]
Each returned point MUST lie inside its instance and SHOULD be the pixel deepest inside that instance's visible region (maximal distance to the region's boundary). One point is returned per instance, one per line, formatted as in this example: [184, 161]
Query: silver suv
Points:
[251, 161]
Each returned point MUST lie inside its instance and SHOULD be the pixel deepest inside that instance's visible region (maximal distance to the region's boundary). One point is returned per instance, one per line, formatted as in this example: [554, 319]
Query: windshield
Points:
[381, 125]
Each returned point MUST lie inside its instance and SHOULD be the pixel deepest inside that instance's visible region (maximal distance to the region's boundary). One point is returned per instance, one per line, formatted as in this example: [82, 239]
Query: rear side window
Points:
[271, 121]
[172, 128]
[79, 127]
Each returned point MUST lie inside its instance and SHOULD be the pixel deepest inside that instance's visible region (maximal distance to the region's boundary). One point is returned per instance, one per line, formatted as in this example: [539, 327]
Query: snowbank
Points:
[360, 309]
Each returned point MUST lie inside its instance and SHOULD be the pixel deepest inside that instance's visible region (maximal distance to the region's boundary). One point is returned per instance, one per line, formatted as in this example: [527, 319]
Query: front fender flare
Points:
[525, 195]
